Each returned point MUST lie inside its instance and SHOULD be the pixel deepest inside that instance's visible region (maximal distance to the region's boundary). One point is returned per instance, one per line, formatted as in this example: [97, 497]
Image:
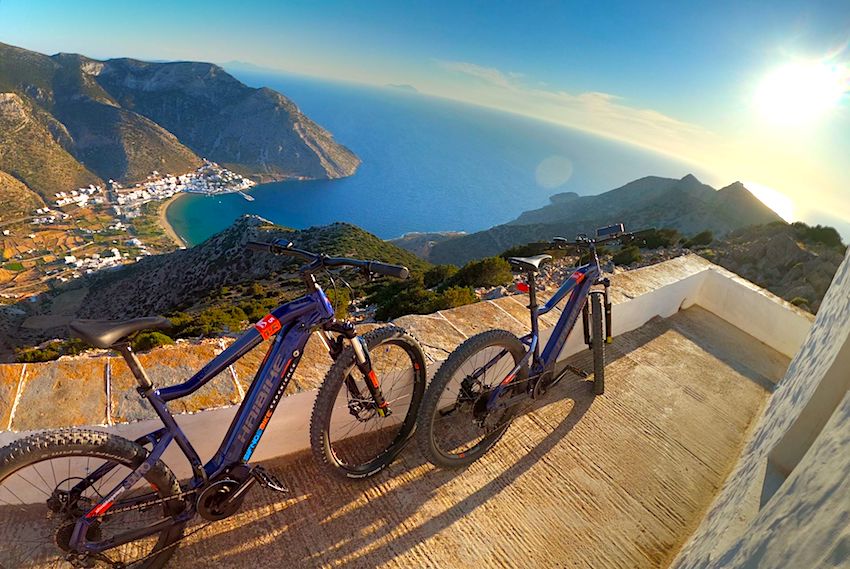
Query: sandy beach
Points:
[163, 221]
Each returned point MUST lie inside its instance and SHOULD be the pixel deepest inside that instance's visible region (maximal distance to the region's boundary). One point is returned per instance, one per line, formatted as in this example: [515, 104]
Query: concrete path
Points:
[618, 481]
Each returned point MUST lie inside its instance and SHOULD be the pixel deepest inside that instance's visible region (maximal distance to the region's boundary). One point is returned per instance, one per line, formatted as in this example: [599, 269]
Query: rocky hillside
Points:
[686, 205]
[219, 271]
[161, 283]
[68, 120]
[794, 261]
[18, 200]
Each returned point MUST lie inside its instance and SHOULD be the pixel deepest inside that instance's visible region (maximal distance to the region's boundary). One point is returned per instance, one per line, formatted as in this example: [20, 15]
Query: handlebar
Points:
[317, 261]
[585, 241]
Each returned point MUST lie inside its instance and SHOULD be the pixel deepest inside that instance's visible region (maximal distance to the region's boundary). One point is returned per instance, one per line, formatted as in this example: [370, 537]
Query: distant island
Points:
[403, 87]
[91, 150]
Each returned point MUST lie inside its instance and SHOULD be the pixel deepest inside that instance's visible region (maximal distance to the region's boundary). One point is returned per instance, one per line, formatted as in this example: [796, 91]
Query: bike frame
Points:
[578, 286]
[291, 325]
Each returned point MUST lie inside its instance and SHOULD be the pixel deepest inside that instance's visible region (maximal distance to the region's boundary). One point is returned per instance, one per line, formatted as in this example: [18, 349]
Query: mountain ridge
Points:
[68, 120]
[685, 204]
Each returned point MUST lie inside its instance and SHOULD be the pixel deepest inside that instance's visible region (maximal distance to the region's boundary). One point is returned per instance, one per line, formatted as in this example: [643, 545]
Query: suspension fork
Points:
[585, 315]
[361, 360]
[364, 364]
[609, 334]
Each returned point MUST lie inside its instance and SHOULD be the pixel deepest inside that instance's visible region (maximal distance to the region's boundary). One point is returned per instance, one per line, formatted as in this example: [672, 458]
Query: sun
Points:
[775, 200]
[800, 92]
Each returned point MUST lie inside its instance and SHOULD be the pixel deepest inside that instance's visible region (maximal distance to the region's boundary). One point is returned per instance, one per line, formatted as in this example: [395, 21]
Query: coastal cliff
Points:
[67, 121]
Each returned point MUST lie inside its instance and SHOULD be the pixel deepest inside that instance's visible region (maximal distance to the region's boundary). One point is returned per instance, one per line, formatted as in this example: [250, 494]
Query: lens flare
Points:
[800, 92]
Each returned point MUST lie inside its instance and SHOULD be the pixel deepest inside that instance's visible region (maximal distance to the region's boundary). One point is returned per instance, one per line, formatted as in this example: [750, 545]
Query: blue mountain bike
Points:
[475, 394]
[84, 498]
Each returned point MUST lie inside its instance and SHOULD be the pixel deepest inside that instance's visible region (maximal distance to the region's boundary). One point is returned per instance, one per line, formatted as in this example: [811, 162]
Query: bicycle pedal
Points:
[269, 480]
[579, 372]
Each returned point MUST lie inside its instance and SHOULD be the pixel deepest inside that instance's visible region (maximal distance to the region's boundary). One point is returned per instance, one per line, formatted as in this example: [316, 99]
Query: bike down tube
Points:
[268, 386]
[575, 279]
[569, 316]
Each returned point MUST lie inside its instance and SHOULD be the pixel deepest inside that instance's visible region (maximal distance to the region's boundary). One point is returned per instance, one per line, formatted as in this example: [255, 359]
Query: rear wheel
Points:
[46, 486]
[455, 427]
[348, 436]
[597, 344]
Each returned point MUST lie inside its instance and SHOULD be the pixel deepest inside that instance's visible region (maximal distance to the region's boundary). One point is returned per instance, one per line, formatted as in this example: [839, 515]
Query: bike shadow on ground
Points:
[369, 523]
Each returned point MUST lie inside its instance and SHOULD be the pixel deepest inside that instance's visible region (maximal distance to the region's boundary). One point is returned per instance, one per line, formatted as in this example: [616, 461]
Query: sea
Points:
[429, 164]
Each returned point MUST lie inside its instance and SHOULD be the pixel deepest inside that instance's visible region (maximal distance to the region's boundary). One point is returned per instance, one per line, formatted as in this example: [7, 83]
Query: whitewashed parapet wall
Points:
[111, 402]
[787, 503]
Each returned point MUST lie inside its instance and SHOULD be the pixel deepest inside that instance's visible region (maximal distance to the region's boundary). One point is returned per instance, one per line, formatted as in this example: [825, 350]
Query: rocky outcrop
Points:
[67, 121]
[780, 259]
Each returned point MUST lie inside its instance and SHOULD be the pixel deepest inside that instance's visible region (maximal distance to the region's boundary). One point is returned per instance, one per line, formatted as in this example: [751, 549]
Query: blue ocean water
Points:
[428, 165]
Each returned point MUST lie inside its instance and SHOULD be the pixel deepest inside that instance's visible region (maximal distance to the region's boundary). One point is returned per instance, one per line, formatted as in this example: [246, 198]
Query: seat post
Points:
[532, 307]
[145, 384]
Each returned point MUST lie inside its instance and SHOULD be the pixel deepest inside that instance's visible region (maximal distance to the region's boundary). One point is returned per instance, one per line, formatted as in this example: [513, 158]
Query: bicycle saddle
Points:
[106, 333]
[529, 263]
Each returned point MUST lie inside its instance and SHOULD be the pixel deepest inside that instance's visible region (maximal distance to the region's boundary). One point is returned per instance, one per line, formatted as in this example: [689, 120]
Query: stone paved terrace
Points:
[616, 481]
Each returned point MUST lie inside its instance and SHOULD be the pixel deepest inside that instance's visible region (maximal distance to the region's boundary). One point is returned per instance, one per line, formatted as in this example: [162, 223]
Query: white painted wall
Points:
[720, 292]
[770, 518]
[751, 310]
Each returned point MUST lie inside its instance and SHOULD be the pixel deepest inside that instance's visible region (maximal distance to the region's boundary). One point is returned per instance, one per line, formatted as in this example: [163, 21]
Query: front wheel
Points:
[50, 480]
[349, 437]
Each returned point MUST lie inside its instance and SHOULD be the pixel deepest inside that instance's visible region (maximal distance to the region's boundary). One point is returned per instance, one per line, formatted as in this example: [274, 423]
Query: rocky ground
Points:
[771, 256]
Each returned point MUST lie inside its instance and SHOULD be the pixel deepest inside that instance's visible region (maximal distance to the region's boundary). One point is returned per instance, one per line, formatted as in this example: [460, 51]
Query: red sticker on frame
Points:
[267, 326]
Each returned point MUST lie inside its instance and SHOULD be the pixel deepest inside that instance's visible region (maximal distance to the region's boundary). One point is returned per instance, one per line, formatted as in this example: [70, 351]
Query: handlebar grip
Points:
[396, 271]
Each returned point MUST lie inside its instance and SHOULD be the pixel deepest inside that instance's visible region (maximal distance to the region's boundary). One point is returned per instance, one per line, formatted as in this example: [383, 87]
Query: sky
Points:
[751, 91]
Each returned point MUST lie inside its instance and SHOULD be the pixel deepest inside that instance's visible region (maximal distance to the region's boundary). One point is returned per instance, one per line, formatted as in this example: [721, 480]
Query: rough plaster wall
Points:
[807, 519]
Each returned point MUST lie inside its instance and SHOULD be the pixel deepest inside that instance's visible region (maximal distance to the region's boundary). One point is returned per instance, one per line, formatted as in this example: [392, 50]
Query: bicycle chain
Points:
[142, 505]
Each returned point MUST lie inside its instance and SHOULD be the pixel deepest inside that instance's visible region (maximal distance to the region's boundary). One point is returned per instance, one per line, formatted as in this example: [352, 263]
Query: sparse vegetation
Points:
[659, 238]
[146, 341]
[439, 274]
[701, 239]
[825, 235]
[492, 271]
[627, 255]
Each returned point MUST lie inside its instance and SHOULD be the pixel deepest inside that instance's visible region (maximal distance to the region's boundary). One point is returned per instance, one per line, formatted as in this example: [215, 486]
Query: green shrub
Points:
[412, 300]
[340, 299]
[492, 271]
[529, 250]
[800, 301]
[824, 234]
[254, 309]
[399, 298]
[658, 238]
[439, 274]
[587, 256]
[210, 322]
[453, 297]
[256, 290]
[44, 354]
[627, 255]
[700, 239]
[149, 340]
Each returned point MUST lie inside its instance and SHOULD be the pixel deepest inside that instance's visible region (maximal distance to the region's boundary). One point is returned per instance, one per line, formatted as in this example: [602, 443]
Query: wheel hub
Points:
[479, 407]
